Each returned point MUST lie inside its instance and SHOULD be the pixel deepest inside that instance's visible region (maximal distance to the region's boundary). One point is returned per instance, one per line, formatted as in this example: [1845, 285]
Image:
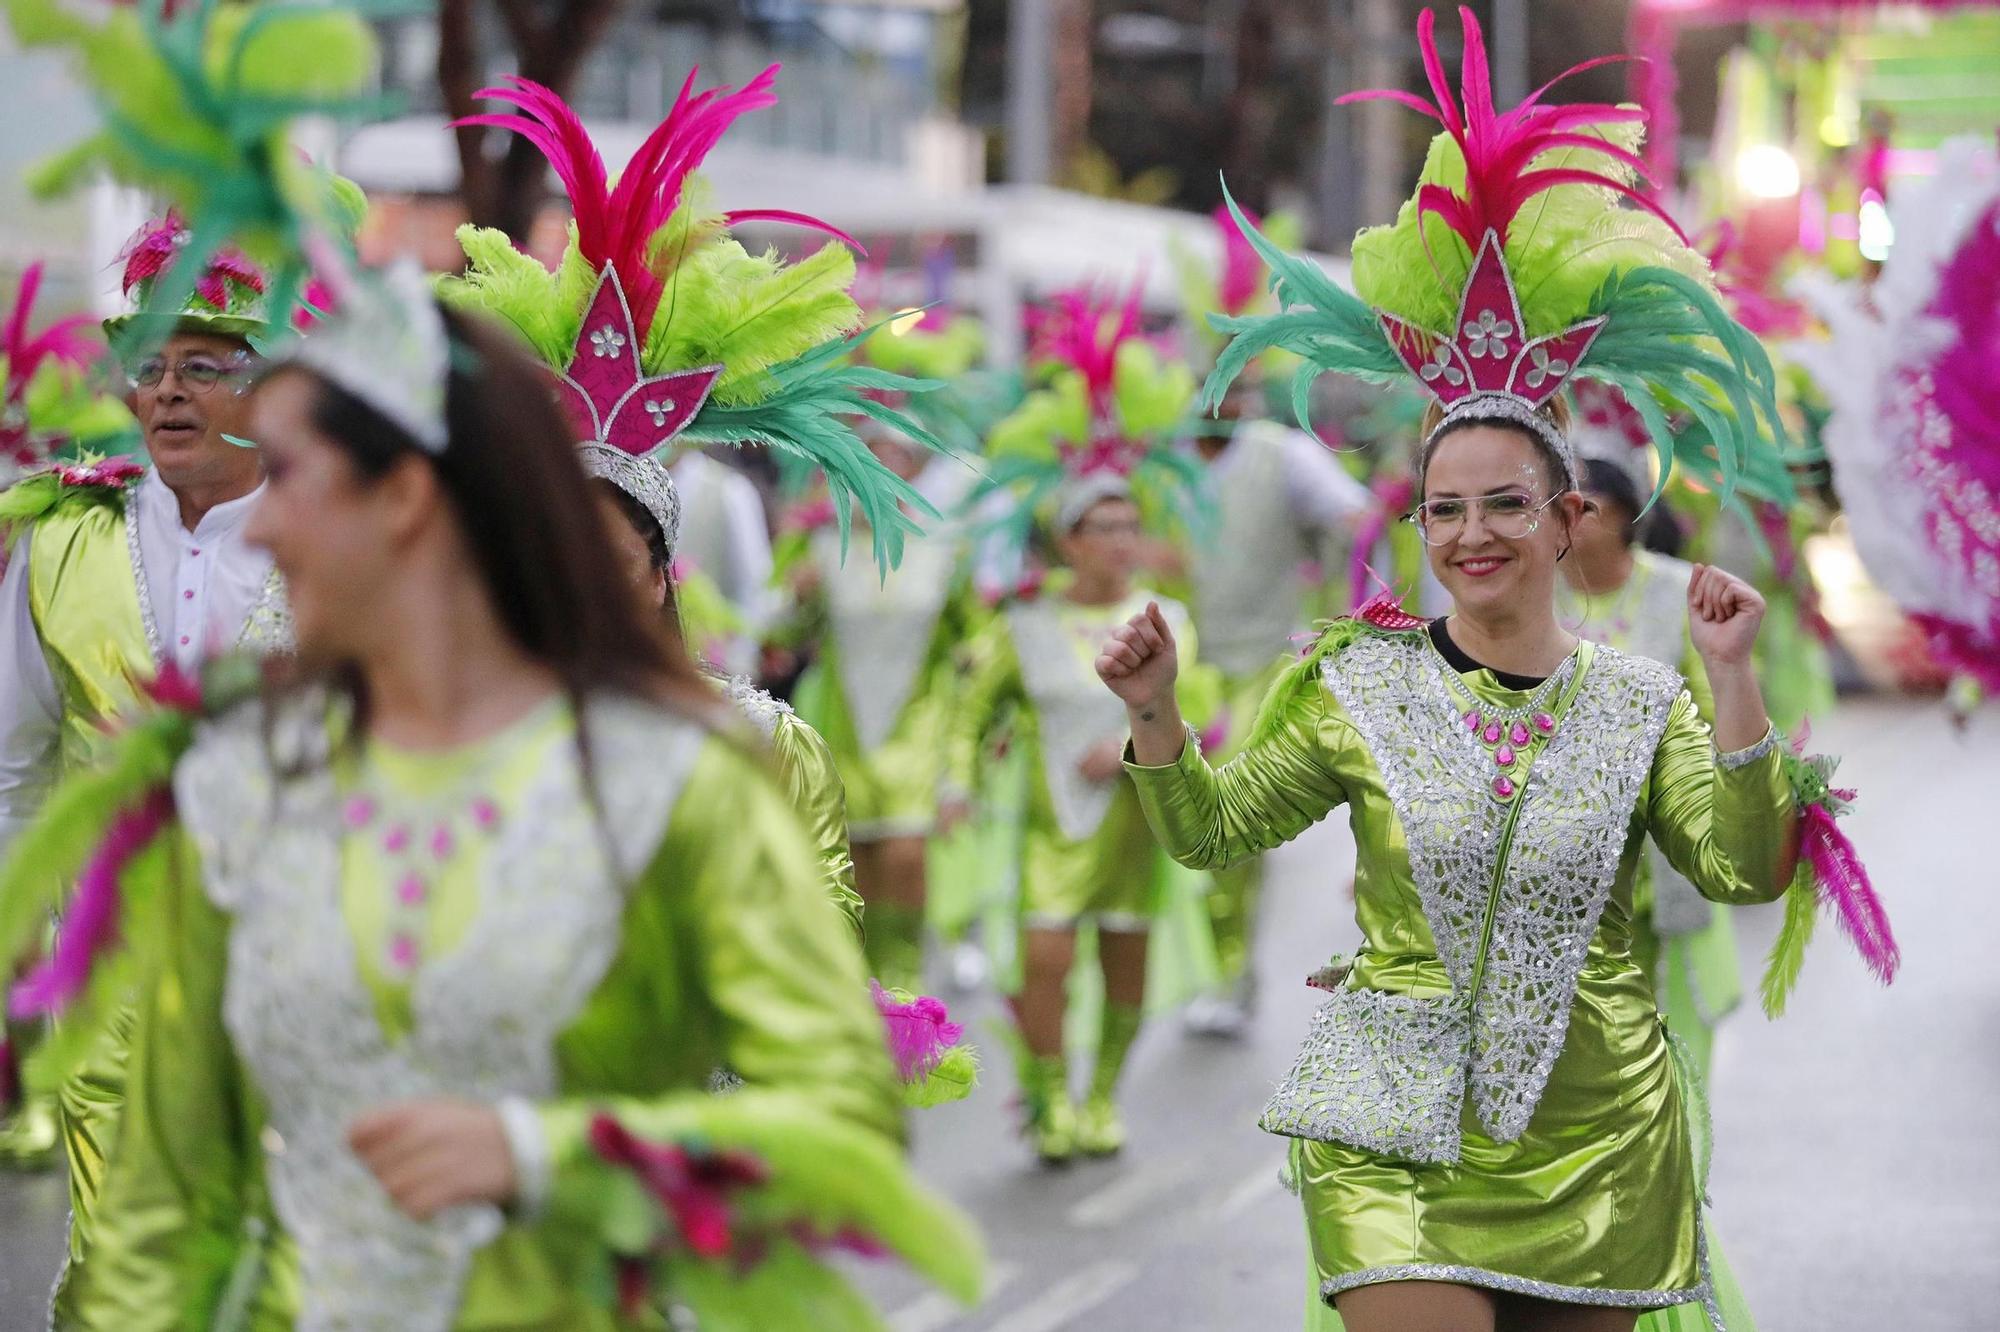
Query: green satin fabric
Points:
[85, 604]
[729, 957]
[1599, 1191]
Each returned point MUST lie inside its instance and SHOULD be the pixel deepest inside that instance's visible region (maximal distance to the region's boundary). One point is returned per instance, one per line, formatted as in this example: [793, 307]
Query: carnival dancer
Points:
[1282, 503]
[1086, 457]
[119, 569]
[448, 933]
[1489, 1126]
[882, 685]
[50, 408]
[1616, 592]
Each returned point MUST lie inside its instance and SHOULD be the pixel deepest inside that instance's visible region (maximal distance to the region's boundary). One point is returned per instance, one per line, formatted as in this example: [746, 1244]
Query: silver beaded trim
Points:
[644, 479]
[1507, 407]
[1460, 1275]
[1737, 758]
[146, 617]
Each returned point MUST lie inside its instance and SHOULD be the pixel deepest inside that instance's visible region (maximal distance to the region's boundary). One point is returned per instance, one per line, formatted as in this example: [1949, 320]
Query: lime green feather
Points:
[952, 1079]
[749, 313]
[1416, 266]
[1302, 677]
[1788, 953]
[944, 353]
[1152, 396]
[514, 288]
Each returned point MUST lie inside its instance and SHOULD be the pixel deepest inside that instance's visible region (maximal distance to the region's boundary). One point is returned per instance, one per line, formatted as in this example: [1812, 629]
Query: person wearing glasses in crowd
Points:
[128, 569]
[1489, 1126]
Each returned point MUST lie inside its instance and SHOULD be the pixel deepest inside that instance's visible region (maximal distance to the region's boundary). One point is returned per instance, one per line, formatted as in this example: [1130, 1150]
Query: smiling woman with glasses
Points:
[1490, 1128]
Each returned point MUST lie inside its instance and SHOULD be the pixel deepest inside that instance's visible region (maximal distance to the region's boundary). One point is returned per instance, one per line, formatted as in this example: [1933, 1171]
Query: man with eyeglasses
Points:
[128, 570]
[1283, 505]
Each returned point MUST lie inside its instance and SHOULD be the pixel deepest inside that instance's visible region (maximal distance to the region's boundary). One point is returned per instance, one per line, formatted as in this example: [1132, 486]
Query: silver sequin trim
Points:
[146, 618]
[644, 479]
[763, 710]
[1460, 1275]
[1737, 758]
[1507, 407]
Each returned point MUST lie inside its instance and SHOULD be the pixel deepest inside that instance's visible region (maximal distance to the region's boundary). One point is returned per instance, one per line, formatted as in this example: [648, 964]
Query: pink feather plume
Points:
[90, 924]
[920, 1031]
[1500, 146]
[1844, 888]
[64, 342]
[1083, 328]
[152, 251]
[615, 226]
[1242, 276]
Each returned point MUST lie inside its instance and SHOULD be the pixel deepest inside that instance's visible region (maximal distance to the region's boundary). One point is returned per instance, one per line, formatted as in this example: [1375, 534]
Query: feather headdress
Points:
[1104, 423]
[662, 327]
[48, 402]
[1514, 271]
[198, 101]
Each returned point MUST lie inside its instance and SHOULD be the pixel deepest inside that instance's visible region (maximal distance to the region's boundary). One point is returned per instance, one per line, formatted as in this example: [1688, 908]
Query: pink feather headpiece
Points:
[608, 394]
[62, 343]
[230, 285]
[1485, 364]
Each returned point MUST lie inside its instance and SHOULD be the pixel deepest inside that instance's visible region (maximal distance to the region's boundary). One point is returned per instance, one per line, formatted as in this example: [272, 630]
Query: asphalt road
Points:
[1857, 1177]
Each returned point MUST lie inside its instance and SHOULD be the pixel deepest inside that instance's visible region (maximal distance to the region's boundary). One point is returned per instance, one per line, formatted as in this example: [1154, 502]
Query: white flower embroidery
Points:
[658, 409]
[1487, 335]
[1440, 366]
[606, 341]
[1545, 367]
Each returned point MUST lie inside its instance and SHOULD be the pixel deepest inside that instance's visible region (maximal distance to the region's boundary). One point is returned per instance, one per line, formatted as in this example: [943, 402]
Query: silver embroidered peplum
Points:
[1380, 1075]
[484, 1016]
[883, 627]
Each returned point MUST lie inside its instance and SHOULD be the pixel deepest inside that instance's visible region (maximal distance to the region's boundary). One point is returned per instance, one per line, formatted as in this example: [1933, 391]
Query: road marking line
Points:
[935, 1311]
[1070, 1299]
[1122, 1198]
[1262, 1183]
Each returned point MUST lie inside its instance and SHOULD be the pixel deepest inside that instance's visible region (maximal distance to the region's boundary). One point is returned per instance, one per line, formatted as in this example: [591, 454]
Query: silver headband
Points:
[386, 344]
[1083, 493]
[1506, 407]
[644, 479]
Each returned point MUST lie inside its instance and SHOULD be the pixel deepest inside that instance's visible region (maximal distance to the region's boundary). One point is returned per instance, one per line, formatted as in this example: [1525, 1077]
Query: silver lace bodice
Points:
[1503, 1025]
[484, 1016]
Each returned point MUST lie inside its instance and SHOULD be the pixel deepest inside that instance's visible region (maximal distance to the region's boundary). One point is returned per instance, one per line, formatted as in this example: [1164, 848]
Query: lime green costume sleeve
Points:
[991, 680]
[1728, 822]
[1286, 779]
[814, 784]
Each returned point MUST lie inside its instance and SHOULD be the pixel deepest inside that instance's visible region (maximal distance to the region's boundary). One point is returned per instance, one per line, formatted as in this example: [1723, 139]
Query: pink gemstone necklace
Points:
[415, 844]
[1512, 735]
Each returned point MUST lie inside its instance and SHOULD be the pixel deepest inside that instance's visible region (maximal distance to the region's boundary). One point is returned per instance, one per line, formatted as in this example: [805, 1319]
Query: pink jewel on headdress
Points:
[609, 397]
[1488, 351]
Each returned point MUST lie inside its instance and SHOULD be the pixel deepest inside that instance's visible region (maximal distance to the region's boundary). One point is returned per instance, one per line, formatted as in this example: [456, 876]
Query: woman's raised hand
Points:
[1139, 662]
[1724, 614]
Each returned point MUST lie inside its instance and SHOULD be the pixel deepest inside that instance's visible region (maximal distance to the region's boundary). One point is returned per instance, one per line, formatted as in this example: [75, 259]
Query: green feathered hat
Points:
[662, 328]
[1513, 272]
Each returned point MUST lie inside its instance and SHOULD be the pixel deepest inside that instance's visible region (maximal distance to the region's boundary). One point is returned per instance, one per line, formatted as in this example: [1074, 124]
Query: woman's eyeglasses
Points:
[1509, 515]
[197, 374]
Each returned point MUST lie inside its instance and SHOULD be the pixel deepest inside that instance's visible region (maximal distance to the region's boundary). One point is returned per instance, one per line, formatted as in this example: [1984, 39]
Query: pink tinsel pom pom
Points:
[920, 1031]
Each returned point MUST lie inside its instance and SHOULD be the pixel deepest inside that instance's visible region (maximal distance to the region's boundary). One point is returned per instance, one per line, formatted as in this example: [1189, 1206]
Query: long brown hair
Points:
[510, 471]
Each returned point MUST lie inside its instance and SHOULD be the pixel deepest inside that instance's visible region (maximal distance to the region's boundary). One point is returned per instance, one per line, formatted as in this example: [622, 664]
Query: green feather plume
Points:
[1302, 677]
[952, 1078]
[802, 409]
[514, 288]
[1788, 952]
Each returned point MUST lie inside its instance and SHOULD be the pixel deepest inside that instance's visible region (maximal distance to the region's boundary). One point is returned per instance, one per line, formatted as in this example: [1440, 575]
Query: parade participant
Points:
[118, 570]
[1616, 592]
[449, 932]
[1282, 503]
[1489, 1126]
[49, 409]
[1080, 457]
[883, 683]
[728, 542]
